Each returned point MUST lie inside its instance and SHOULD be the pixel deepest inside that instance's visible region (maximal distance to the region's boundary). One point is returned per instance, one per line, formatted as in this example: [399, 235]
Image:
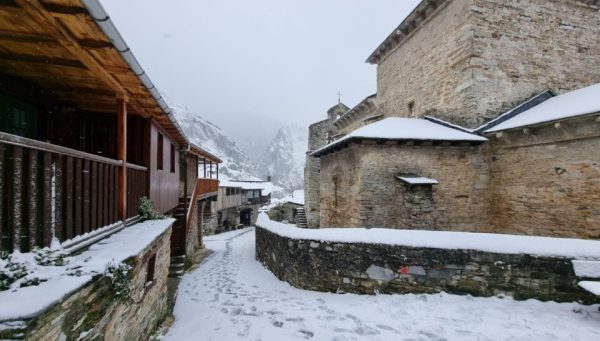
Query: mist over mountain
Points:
[285, 157]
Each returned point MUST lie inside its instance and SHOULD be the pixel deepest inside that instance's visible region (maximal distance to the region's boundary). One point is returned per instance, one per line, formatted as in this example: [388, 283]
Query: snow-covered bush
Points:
[277, 213]
[10, 271]
[148, 211]
[120, 276]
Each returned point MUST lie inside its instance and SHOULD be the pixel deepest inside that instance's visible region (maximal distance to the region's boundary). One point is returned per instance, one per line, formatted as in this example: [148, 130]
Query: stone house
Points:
[485, 120]
[239, 201]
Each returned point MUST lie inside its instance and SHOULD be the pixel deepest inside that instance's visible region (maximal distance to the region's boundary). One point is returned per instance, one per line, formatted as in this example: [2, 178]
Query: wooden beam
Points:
[38, 13]
[62, 9]
[26, 37]
[26, 58]
[22, 37]
[122, 155]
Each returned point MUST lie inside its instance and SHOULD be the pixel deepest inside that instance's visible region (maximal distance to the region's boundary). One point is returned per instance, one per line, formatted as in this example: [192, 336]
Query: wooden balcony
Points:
[51, 191]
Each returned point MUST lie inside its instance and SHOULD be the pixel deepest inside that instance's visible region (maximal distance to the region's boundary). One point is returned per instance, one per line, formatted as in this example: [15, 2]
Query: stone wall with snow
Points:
[375, 261]
[86, 303]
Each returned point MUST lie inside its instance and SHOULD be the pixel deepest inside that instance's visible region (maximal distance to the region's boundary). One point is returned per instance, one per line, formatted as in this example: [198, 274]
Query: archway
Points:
[246, 217]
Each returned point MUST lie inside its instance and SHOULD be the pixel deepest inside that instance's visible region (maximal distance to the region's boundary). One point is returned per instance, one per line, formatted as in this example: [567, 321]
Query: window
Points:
[411, 109]
[159, 152]
[150, 270]
[172, 158]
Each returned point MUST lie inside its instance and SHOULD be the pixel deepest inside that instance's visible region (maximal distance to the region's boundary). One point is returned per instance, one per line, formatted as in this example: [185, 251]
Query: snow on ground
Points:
[489, 242]
[232, 297]
[60, 281]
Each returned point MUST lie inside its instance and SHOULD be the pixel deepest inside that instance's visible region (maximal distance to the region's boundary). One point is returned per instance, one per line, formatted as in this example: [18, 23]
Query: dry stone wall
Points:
[363, 268]
[96, 313]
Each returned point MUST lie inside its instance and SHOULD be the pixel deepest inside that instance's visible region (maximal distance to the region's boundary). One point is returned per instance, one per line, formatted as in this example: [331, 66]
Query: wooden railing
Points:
[51, 191]
[204, 188]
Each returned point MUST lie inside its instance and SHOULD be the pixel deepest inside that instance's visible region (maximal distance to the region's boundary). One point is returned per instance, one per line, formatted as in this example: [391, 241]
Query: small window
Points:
[150, 270]
[411, 109]
[172, 158]
[159, 152]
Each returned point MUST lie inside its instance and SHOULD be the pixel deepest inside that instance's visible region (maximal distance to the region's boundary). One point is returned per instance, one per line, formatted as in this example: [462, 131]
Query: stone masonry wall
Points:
[94, 313]
[372, 196]
[473, 59]
[547, 181]
[317, 137]
[431, 68]
[373, 268]
[341, 192]
[522, 47]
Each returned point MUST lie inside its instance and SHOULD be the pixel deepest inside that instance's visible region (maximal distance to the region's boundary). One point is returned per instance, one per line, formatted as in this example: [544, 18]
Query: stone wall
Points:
[317, 137]
[522, 47]
[546, 181]
[341, 191]
[431, 68]
[95, 313]
[472, 59]
[373, 268]
[372, 196]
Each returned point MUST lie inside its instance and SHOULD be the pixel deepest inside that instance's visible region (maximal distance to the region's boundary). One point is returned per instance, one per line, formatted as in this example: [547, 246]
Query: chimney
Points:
[269, 178]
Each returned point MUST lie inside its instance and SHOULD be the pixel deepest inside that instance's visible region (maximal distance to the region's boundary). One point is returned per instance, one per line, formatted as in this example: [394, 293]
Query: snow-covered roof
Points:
[297, 197]
[266, 187]
[489, 242]
[593, 287]
[571, 104]
[417, 180]
[400, 128]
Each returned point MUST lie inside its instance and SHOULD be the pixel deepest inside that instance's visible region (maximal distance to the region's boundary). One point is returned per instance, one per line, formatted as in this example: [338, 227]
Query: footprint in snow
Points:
[306, 333]
[278, 324]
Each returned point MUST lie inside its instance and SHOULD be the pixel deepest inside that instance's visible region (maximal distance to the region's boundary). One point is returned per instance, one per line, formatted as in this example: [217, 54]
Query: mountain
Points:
[285, 157]
[236, 164]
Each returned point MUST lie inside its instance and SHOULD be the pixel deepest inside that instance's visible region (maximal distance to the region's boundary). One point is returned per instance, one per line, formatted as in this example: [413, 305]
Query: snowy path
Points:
[232, 297]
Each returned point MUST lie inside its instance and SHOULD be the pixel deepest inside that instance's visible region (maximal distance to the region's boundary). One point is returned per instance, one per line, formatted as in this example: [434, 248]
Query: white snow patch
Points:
[418, 180]
[488, 242]
[593, 287]
[233, 297]
[27, 302]
[575, 103]
[588, 269]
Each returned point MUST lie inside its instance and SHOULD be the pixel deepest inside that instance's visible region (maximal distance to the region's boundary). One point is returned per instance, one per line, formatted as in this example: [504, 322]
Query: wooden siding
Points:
[164, 184]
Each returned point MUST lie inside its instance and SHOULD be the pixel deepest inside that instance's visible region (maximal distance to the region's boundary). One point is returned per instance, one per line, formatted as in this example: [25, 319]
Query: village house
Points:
[239, 201]
[84, 136]
[486, 119]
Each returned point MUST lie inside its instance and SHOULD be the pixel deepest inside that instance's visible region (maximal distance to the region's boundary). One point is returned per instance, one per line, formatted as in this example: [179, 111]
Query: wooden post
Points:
[217, 171]
[122, 155]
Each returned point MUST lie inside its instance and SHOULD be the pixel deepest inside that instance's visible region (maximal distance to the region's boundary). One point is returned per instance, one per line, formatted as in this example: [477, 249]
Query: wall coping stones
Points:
[28, 302]
[582, 249]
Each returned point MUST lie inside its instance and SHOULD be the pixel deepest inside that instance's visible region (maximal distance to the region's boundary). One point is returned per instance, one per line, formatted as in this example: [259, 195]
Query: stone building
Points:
[485, 119]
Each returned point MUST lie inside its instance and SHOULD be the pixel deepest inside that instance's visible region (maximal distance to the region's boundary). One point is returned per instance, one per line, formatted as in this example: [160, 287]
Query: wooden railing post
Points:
[122, 156]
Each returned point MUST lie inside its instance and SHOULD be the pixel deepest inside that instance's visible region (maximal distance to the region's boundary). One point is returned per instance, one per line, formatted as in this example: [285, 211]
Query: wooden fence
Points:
[50, 191]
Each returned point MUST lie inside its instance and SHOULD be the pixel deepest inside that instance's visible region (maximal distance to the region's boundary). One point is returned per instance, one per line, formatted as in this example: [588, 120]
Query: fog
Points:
[252, 66]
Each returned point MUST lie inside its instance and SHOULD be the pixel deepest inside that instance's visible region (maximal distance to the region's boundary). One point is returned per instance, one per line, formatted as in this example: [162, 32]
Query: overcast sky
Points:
[251, 66]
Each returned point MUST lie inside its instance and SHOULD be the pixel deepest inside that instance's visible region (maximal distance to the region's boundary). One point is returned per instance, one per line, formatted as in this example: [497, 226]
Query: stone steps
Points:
[301, 219]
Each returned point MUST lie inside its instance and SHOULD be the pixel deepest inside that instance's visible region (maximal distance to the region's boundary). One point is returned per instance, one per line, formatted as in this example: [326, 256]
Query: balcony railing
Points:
[205, 188]
[49, 191]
